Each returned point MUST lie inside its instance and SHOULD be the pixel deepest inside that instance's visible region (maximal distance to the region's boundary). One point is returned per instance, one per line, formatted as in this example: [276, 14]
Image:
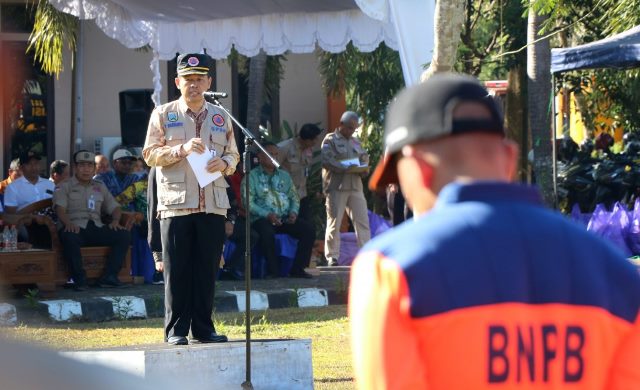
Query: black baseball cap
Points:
[425, 112]
[191, 63]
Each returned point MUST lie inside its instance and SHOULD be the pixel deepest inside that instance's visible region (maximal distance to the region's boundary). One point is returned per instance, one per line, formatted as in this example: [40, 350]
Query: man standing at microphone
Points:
[191, 218]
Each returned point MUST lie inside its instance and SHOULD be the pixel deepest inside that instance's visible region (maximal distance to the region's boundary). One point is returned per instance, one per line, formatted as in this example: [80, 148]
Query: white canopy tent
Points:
[276, 26]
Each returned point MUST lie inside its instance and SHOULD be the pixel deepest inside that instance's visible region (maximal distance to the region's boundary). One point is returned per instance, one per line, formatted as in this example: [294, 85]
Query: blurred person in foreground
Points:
[486, 288]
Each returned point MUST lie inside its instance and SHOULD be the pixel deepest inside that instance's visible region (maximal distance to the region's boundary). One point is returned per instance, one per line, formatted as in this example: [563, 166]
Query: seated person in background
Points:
[79, 203]
[134, 198]
[140, 168]
[14, 174]
[102, 164]
[59, 171]
[295, 156]
[30, 187]
[121, 176]
[274, 209]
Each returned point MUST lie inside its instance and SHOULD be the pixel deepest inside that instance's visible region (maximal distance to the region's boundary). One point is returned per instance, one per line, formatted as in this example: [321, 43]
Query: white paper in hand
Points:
[198, 163]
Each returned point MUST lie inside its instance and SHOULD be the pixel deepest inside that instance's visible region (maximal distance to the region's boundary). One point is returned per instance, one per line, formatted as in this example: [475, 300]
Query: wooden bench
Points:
[48, 268]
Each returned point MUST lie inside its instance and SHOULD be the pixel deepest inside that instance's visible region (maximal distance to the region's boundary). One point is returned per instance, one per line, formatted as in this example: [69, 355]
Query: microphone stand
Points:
[249, 139]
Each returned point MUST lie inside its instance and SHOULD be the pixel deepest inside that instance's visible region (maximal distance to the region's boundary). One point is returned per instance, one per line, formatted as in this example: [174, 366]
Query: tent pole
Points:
[554, 154]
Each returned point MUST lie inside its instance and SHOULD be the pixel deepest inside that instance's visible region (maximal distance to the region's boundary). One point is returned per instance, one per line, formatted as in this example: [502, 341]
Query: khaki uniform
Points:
[295, 161]
[77, 198]
[84, 204]
[178, 189]
[344, 191]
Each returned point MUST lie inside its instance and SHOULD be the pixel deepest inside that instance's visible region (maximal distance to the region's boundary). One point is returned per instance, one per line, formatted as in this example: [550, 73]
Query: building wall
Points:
[110, 68]
[302, 98]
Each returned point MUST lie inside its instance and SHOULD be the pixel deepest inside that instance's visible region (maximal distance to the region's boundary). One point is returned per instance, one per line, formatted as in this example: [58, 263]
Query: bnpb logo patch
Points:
[193, 61]
[218, 120]
[172, 116]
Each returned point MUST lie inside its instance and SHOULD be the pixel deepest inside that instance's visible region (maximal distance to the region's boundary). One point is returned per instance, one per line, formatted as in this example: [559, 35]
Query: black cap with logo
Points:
[193, 64]
[425, 112]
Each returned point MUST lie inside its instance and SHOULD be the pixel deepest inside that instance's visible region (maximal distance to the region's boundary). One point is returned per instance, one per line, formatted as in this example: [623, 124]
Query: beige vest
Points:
[177, 184]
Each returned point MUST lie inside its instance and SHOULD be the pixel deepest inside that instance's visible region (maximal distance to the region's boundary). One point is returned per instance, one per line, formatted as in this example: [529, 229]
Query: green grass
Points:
[327, 327]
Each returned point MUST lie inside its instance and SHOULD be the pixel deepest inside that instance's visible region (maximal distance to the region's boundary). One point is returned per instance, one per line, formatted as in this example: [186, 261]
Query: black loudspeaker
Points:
[135, 109]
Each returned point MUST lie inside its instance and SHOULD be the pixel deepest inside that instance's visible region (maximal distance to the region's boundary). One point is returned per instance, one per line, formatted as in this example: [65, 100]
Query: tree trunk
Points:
[448, 19]
[515, 118]
[539, 95]
[257, 70]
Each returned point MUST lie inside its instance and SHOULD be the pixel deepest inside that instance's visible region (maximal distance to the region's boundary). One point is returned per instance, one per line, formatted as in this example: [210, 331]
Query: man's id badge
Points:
[91, 203]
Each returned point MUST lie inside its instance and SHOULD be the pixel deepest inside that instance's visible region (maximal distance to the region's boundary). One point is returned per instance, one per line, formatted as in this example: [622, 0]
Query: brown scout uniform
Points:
[295, 161]
[344, 191]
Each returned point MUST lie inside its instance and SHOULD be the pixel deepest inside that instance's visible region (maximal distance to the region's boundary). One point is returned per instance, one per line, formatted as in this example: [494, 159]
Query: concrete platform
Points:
[276, 364]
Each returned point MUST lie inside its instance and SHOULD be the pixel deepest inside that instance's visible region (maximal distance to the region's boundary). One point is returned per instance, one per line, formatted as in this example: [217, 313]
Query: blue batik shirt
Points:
[273, 193]
[114, 184]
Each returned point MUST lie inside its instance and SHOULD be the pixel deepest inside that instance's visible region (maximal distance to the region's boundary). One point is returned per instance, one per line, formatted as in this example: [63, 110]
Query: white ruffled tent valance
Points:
[297, 26]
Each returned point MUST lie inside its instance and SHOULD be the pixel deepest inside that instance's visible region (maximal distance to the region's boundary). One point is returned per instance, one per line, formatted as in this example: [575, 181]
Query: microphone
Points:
[215, 95]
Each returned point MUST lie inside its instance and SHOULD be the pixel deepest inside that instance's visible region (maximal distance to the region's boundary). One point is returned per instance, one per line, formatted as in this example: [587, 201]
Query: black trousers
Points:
[238, 237]
[118, 240]
[305, 209]
[300, 230]
[192, 245]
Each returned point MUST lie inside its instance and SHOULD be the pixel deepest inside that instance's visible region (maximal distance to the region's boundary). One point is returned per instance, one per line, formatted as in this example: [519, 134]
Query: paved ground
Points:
[329, 286]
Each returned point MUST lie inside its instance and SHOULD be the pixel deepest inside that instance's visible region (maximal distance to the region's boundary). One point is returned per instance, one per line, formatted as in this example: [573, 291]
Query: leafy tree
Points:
[619, 15]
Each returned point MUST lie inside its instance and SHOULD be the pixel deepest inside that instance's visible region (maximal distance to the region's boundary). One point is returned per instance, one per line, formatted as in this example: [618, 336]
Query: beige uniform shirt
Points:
[178, 191]
[84, 202]
[296, 161]
[336, 148]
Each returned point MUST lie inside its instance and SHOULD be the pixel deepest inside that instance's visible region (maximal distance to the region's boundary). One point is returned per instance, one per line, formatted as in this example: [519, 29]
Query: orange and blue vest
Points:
[490, 290]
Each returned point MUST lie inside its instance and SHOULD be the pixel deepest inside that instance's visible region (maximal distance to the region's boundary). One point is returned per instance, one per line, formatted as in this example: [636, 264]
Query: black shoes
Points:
[211, 338]
[332, 262]
[177, 340]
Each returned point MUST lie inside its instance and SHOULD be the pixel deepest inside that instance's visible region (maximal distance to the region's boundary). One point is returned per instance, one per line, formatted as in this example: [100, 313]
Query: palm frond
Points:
[52, 30]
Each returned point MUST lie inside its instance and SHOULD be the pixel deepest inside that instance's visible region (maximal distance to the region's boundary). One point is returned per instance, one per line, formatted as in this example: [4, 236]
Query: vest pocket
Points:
[175, 134]
[172, 188]
[220, 195]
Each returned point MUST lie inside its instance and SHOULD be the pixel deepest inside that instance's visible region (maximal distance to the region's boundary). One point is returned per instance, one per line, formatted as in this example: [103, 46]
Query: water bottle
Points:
[6, 238]
[14, 238]
[1, 235]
